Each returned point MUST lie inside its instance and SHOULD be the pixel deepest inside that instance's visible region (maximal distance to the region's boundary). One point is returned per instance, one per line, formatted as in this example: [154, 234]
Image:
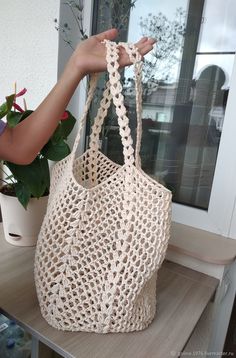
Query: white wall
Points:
[29, 48]
[77, 102]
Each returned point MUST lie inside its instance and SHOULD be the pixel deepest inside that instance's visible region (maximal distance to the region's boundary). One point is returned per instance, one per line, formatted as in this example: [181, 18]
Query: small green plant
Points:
[33, 180]
[77, 8]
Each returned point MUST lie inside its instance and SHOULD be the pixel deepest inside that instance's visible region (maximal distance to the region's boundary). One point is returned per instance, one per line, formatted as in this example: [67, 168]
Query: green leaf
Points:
[10, 100]
[63, 129]
[22, 193]
[25, 114]
[67, 125]
[55, 151]
[6, 106]
[31, 175]
[57, 135]
[13, 118]
[3, 110]
[45, 171]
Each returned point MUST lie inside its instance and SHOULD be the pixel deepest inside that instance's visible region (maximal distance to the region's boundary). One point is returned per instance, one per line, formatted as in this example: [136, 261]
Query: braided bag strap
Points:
[136, 59]
[92, 88]
[112, 57]
[113, 91]
[105, 103]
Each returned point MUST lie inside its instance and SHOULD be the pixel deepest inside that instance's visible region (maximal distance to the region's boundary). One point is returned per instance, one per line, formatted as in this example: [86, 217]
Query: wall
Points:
[77, 102]
[29, 48]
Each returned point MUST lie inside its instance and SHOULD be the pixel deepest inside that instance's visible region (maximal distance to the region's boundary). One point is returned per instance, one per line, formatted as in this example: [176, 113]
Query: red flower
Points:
[65, 116]
[16, 106]
[21, 93]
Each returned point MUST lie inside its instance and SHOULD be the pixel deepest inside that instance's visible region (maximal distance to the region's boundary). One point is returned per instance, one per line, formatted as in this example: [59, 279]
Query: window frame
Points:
[220, 217]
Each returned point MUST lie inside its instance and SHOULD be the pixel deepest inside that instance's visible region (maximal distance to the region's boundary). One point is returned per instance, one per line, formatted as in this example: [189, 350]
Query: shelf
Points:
[182, 296]
[202, 245]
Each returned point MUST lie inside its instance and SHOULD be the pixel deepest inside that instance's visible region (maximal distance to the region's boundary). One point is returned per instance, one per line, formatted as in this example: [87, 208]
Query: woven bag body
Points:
[106, 229]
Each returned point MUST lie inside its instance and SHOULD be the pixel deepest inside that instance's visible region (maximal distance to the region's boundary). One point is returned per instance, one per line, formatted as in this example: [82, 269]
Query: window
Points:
[188, 102]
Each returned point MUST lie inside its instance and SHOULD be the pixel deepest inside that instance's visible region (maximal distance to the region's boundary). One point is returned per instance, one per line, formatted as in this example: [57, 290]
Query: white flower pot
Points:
[21, 227]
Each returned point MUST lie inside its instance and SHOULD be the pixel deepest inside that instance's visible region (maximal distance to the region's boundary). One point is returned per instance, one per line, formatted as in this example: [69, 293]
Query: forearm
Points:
[22, 143]
[33, 133]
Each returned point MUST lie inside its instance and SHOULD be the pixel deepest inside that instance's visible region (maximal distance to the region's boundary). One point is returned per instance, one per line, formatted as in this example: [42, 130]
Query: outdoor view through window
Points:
[185, 88]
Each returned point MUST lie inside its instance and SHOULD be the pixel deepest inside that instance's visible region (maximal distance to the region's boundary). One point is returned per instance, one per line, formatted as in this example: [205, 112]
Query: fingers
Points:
[124, 59]
[143, 40]
[107, 35]
[145, 49]
[145, 45]
[152, 41]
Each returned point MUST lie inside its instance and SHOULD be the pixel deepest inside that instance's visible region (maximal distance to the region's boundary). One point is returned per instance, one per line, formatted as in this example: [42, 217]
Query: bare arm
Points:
[22, 143]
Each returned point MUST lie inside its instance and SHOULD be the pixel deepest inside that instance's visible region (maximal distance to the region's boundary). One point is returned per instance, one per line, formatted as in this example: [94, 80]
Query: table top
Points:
[203, 245]
[182, 295]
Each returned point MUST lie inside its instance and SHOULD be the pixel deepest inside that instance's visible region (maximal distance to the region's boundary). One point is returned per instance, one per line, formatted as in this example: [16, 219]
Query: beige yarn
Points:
[106, 229]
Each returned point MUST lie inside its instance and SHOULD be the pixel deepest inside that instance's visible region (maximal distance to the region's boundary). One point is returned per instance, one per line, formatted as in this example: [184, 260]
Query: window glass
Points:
[218, 30]
[185, 88]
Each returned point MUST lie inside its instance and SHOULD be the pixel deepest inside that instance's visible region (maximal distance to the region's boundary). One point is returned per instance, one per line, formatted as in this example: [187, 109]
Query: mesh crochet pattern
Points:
[106, 229]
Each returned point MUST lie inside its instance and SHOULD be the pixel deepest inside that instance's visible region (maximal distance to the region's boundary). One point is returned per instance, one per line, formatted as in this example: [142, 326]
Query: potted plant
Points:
[23, 197]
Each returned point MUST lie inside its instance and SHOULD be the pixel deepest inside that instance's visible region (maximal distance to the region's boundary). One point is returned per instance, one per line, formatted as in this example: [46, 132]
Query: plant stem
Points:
[7, 176]
[4, 181]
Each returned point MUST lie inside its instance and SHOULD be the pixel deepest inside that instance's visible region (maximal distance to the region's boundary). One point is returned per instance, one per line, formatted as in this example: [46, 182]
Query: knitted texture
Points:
[106, 229]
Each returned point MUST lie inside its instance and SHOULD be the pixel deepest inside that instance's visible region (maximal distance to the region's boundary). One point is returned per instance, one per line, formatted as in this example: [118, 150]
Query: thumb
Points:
[107, 35]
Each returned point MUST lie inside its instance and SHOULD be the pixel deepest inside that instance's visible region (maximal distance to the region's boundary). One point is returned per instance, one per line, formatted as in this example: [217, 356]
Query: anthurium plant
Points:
[33, 180]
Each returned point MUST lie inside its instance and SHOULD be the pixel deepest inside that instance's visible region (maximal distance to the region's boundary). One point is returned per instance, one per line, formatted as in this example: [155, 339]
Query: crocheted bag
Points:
[106, 229]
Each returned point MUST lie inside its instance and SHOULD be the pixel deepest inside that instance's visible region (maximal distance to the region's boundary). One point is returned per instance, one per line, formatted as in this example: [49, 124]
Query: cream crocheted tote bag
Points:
[106, 229]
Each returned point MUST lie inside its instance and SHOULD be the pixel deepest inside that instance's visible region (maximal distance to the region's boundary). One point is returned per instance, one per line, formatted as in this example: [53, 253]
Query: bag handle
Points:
[104, 105]
[92, 88]
[136, 59]
[112, 57]
[114, 91]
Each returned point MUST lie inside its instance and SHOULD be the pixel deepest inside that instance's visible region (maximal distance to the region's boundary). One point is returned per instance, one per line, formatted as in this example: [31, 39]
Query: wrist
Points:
[73, 72]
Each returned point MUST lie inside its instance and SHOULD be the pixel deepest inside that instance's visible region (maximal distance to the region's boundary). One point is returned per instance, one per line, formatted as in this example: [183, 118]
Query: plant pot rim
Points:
[11, 193]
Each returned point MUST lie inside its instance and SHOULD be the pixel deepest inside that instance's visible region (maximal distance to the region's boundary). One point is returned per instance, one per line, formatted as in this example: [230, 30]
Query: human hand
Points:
[90, 54]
